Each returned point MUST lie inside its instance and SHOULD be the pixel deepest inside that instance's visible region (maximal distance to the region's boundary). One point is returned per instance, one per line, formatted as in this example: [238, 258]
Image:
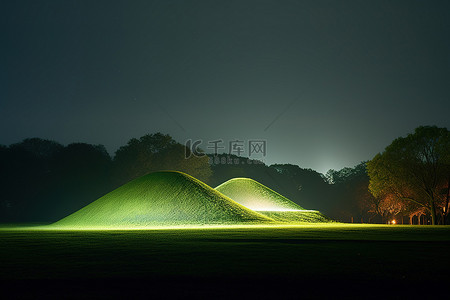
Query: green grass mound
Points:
[162, 198]
[302, 216]
[265, 201]
[256, 196]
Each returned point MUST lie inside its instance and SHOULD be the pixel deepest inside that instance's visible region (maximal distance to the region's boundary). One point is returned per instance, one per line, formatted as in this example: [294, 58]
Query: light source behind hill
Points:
[263, 200]
[256, 196]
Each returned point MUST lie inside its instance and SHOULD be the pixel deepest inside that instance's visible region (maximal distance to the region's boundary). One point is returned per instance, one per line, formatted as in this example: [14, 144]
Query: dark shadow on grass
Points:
[220, 288]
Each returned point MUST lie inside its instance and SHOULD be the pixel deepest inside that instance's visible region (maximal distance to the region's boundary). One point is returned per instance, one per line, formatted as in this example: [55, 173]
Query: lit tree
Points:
[417, 212]
[387, 207]
[413, 168]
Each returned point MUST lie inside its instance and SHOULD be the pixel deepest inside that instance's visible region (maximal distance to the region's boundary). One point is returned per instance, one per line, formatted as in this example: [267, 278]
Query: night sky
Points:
[328, 84]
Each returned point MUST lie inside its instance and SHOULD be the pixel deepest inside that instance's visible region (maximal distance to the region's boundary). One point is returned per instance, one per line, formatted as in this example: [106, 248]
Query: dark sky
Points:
[327, 83]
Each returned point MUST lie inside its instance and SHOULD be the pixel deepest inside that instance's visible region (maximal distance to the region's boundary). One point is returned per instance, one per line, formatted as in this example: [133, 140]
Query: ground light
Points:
[341, 227]
[344, 230]
[256, 196]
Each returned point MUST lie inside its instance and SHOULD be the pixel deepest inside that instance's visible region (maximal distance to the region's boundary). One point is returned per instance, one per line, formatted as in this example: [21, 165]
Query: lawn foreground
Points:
[267, 261]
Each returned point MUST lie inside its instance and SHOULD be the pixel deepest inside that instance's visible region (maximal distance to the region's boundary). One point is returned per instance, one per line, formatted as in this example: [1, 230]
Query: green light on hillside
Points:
[263, 200]
[176, 200]
[256, 196]
[162, 199]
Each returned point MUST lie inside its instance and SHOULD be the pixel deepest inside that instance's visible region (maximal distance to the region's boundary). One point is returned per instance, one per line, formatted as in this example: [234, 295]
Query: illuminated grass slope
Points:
[263, 200]
[303, 216]
[162, 198]
[256, 196]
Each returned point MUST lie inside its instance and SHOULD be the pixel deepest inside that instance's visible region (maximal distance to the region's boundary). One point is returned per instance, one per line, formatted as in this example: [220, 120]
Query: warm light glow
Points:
[393, 222]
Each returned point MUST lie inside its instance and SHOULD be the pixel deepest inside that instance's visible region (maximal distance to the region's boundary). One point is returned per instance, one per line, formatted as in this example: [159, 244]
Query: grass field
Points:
[333, 260]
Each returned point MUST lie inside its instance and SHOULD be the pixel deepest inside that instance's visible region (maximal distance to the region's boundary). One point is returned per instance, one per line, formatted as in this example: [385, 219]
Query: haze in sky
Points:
[327, 84]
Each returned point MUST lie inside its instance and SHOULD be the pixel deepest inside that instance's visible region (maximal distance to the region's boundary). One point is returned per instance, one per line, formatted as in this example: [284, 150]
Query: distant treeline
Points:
[44, 181]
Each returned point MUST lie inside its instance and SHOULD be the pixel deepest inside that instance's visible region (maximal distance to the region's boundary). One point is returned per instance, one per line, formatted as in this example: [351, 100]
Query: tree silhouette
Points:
[26, 168]
[350, 194]
[414, 168]
[81, 174]
[156, 152]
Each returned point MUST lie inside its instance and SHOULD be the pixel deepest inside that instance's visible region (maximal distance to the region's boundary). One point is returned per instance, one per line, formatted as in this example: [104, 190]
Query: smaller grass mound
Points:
[267, 202]
[256, 196]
